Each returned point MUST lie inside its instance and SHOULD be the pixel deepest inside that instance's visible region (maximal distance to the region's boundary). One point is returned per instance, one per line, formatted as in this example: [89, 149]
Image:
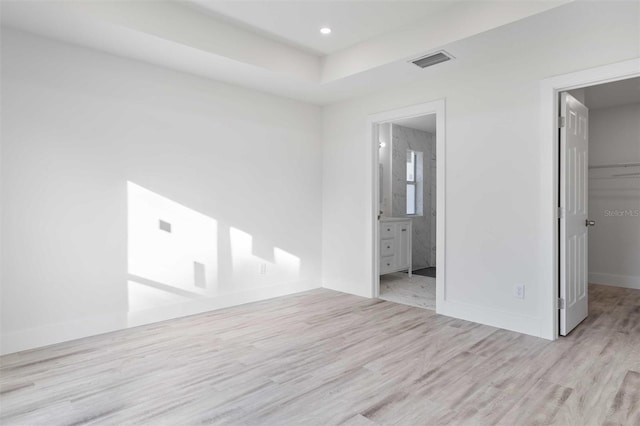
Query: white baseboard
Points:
[61, 332]
[615, 280]
[500, 319]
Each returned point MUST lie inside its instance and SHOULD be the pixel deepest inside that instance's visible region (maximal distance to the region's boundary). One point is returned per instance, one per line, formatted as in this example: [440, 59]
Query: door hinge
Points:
[560, 212]
[561, 122]
[560, 303]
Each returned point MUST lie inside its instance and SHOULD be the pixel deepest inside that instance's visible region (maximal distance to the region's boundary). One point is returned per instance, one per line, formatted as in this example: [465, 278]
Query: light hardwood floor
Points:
[324, 357]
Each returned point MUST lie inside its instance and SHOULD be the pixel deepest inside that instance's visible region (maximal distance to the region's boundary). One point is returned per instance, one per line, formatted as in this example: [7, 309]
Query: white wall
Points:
[495, 236]
[235, 171]
[614, 203]
[614, 135]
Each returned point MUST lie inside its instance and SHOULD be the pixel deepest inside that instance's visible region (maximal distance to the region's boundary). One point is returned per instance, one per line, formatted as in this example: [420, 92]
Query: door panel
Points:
[574, 148]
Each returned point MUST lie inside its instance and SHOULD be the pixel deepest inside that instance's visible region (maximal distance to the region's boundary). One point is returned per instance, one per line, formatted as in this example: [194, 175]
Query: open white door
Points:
[574, 224]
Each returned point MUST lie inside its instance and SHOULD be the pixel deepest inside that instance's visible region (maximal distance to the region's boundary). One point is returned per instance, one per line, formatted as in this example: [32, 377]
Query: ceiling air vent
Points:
[432, 59]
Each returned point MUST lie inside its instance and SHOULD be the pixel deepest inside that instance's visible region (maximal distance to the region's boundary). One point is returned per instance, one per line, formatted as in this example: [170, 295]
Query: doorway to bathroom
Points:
[408, 188]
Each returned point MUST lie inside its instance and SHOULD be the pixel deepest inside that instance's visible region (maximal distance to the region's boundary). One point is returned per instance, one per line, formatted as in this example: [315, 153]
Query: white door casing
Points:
[550, 88]
[372, 147]
[574, 150]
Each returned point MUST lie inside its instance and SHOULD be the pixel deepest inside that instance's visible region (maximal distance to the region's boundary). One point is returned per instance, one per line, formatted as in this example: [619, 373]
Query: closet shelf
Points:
[627, 175]
[616, 165]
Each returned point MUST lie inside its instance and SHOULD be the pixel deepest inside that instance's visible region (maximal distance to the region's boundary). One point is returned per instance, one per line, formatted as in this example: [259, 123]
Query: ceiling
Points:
[275, 46]
[298, 22]
[426, 123]
[618, 93]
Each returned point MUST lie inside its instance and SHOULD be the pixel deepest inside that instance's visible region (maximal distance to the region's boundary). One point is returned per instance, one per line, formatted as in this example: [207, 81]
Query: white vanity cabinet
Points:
[395, 245]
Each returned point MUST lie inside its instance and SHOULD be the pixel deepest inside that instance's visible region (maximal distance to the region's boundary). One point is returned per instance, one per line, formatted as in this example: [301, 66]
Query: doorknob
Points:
[589, 222]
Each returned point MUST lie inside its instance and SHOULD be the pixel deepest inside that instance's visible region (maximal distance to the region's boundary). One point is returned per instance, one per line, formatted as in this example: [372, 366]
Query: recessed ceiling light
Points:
[325, 30]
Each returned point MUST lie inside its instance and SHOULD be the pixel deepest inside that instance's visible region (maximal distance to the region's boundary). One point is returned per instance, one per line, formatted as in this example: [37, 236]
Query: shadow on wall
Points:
[176, 255]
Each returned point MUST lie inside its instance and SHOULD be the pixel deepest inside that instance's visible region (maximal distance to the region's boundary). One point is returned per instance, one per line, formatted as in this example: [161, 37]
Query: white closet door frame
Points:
[549, 178]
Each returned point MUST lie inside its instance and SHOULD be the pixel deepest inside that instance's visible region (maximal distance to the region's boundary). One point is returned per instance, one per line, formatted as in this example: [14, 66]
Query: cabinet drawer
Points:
[386, 264]
[387, 247]
[387, 230]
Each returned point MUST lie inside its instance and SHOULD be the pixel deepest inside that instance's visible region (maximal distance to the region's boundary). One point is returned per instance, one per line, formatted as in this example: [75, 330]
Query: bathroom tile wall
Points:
[424, 224]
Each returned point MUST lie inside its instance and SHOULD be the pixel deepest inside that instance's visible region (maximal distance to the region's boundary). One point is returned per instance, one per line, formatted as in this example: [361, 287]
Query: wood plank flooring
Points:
[323, 358]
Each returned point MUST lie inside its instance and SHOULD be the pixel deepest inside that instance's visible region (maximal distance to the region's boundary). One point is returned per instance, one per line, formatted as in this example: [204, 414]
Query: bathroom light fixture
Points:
[325, 30]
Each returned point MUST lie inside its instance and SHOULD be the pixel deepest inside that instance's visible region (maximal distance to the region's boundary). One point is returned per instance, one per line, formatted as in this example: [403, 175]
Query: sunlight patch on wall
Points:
[241, 249]
[287, 263]
[172, 251]
[252, 269]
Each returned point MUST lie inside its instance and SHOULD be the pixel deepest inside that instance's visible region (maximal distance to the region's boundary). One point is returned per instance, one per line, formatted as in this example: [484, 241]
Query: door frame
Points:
[549, 94]
[437, 107]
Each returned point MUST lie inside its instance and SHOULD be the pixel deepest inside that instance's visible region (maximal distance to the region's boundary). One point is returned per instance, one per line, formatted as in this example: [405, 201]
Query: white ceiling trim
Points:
[461, 20]
[97, 24]
[182, 38]
[298, 22]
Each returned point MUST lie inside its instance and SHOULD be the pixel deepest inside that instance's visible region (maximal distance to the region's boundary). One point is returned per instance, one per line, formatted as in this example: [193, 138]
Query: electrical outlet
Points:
[263, 269]
[518, 291]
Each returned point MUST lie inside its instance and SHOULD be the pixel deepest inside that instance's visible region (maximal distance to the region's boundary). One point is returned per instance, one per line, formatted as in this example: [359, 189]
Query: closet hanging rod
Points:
[627, 175]
[610, 166]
